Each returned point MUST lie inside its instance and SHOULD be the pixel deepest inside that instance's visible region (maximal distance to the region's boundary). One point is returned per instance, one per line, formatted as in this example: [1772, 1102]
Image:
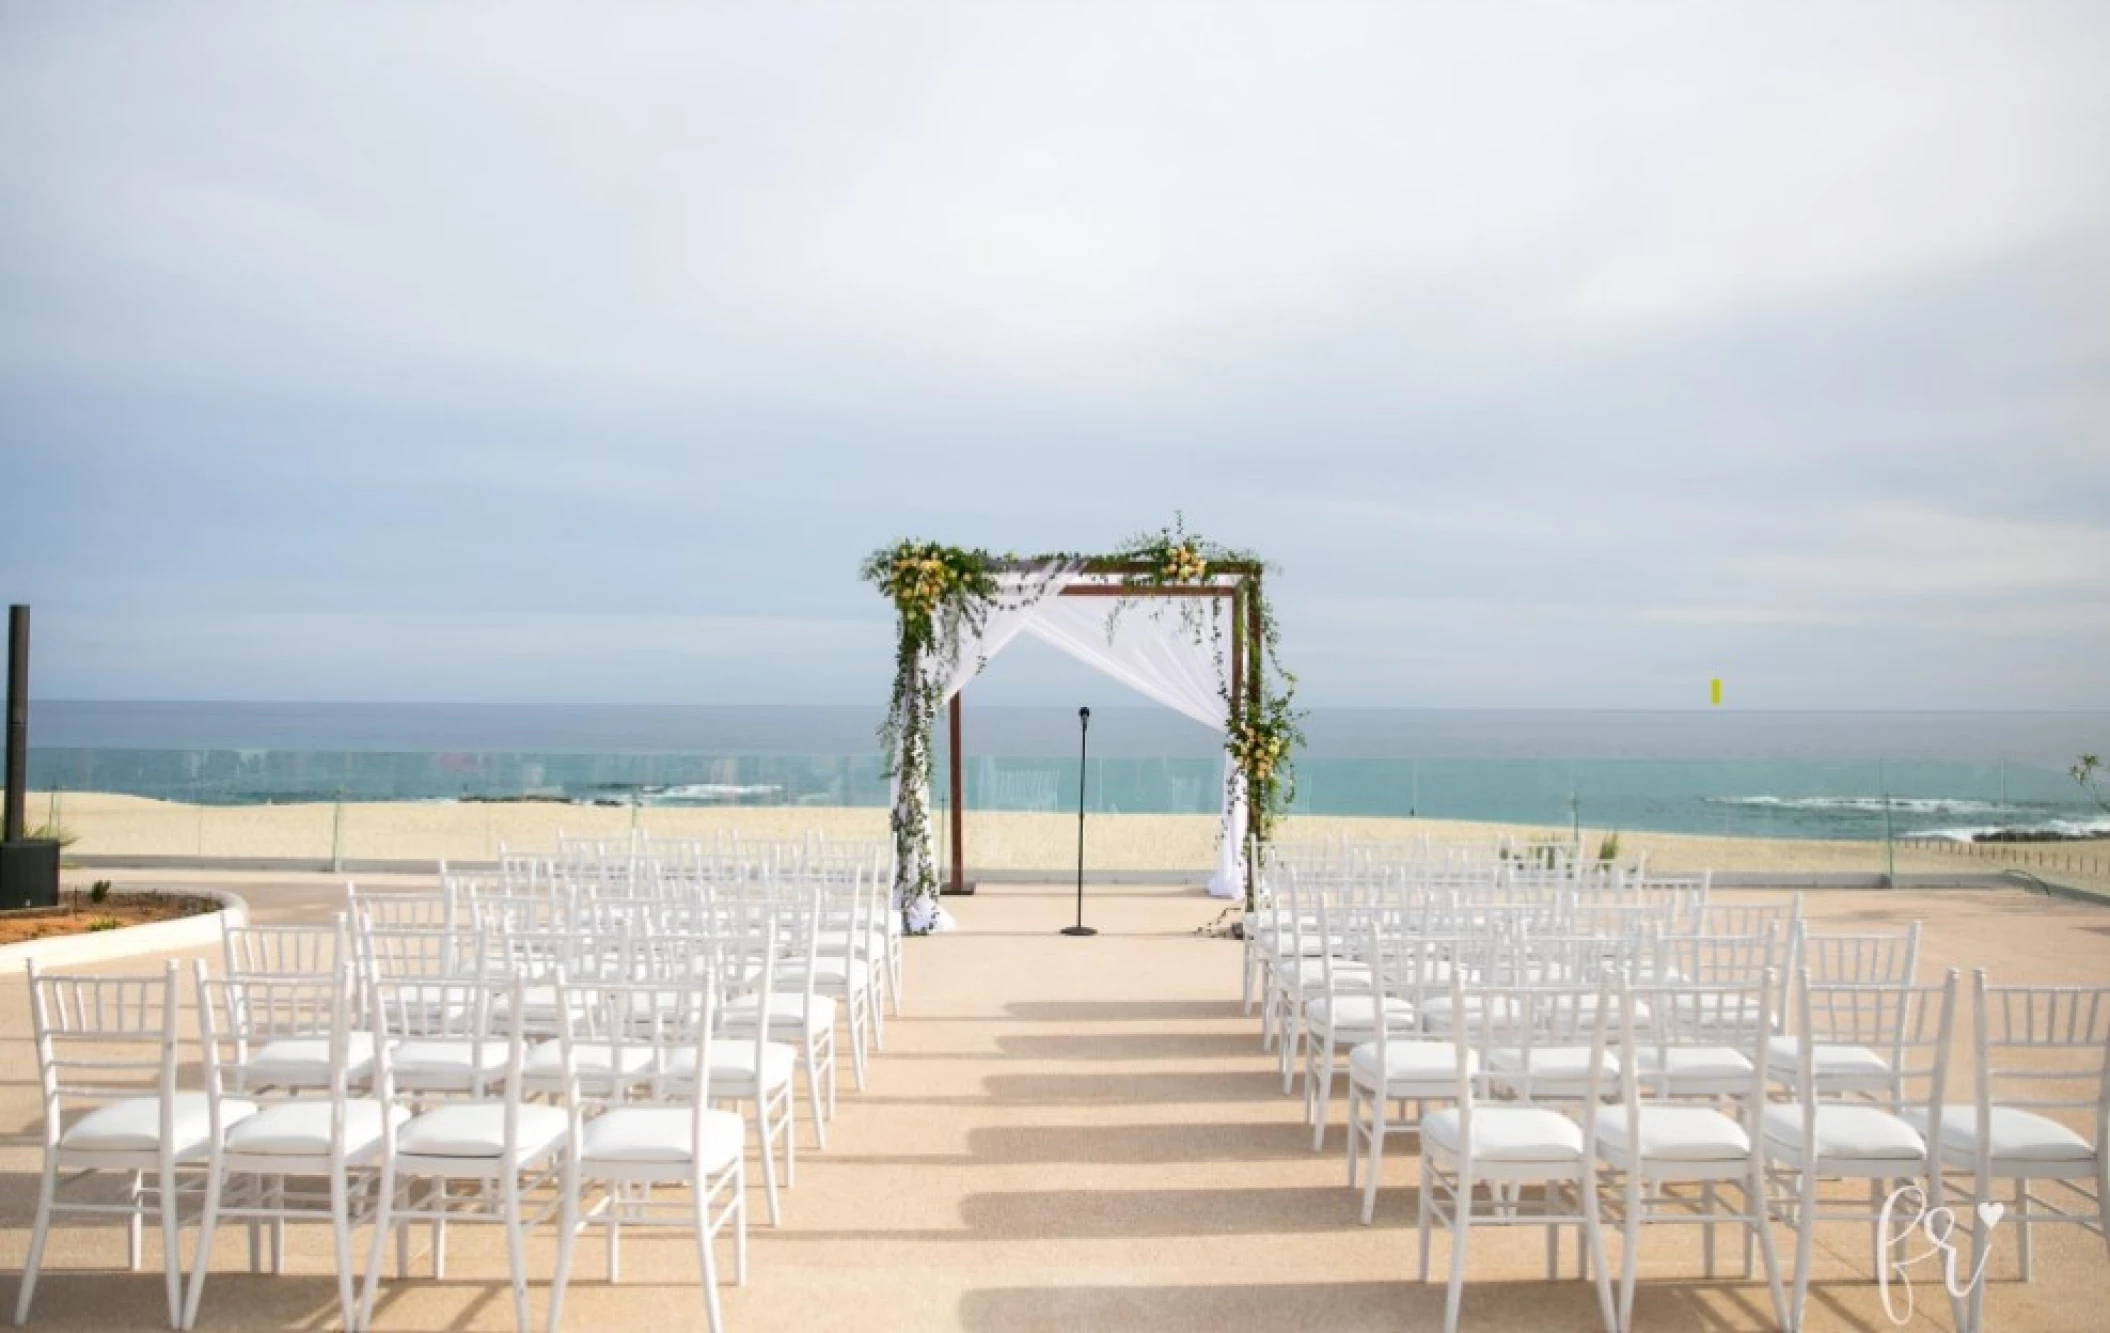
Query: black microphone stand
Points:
[1084, 723]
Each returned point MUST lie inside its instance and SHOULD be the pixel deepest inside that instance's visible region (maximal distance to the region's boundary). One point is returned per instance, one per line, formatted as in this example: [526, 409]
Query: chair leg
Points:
[341, 1226]
[516, 1247]
[2022, 1245]
[813, 1096]
[171, 1246]
[1325, 1094]
[567, 1237]
[769, 1161]
[1629, 1245]
[706, 1259]
[1593, 1231]
[1805, 1233]
[135, 1233]
[1378, 1127]
[208, 1224]
[46, 1195]
[738, 1212]
[384, 1204]
[858, 1029]
[1756, 1205]
[1421, 1211]
[1461, 1232]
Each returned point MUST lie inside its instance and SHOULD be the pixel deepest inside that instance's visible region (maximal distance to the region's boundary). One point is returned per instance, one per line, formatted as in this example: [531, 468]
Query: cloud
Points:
[1552, 358]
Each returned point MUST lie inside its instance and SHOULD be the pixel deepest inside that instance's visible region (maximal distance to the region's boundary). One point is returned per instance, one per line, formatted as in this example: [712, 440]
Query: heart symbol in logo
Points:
[1991, 1213]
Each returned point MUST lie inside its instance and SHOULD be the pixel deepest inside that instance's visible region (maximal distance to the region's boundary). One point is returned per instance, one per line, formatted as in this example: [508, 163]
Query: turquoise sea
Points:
[1792, 775]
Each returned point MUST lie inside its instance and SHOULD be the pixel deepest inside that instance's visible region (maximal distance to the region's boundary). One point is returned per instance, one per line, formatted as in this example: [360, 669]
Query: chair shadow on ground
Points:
[1349, 1307]
[1129, 1046]
[1122, 1011]
[118, 1299]
[1139, 1145]
[1141, 1089]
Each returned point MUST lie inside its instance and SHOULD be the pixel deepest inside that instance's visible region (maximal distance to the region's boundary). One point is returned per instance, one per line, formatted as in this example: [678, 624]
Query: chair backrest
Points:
[236, 1011]
[1709, 1040]
[2044, 1049]
[1749, 918]
[1906, 1027]
[102, 1039]
[639, 1032]
[283, 951]
[420, 910]
[482, 1020]
[1864, 958]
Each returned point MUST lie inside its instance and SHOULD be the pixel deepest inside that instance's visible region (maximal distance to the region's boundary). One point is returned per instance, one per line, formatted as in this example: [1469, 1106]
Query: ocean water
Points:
[1796, 775]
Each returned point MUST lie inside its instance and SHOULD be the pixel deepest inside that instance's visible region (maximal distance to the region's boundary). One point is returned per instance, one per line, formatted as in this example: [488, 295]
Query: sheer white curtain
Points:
[1152, 652]
[1023, 594]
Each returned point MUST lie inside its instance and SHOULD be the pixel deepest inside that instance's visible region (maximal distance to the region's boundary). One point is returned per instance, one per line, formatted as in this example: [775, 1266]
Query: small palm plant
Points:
[2085, 771]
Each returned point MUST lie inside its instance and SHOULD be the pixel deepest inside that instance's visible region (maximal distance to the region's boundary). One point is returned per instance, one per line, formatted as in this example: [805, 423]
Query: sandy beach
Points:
[999, 844]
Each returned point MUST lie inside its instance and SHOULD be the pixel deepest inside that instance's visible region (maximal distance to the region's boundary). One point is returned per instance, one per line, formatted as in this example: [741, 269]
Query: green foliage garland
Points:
[1265, 730]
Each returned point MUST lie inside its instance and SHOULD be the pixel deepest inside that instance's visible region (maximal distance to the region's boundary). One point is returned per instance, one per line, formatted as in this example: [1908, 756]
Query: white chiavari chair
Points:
[268, 1129]
[2039, 1110]
[107, 1050]
[1858, 1127]
[484, 1134]
[1504, 1143]
[635, 1138]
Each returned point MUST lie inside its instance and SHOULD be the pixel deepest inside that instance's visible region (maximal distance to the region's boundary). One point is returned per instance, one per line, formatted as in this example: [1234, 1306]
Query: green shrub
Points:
[99, 892]
[1608, 850]
[104, 923]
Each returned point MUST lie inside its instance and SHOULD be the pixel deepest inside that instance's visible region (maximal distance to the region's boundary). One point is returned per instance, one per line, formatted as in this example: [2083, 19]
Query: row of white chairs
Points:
[326, 1050]
[1819, 1050]
[1607, 904]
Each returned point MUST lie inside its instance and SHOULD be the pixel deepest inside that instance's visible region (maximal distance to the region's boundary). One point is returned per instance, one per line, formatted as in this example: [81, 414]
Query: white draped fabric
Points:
[1024, 595]
[1154, 653]
[1151, 650]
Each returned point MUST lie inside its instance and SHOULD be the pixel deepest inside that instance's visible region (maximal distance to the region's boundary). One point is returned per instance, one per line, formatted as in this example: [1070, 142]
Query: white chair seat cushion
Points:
[827, 971]
[422, 1059]
[1498, 1008]
[660, 1134]
[1562, 1064]
[1675, 1134]
[1694, 1063]
[2018, 1135]
[1310, 974]
[477, 1129]
[733, 1066]
[1508, 1134]
[587, 1057]
[1417, 1062]
[1829, 1060]
[787, 1012]
[302, 1128]
[1358, 1011]
[1847, 1131]
[134, 1125]
[855, 944]
[297, 1061]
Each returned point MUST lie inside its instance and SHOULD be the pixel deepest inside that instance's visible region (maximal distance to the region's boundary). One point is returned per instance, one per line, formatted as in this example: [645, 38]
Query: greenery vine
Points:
[943, 596]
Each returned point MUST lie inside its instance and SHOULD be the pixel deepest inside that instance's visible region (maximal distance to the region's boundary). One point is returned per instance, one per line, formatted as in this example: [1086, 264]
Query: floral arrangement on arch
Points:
[944, 595]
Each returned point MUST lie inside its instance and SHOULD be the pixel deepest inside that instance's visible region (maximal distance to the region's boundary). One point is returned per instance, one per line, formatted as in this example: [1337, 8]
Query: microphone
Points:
[1084, 726]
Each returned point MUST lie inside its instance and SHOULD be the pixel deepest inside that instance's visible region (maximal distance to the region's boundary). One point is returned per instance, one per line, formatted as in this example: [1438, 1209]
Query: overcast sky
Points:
[1562, 356]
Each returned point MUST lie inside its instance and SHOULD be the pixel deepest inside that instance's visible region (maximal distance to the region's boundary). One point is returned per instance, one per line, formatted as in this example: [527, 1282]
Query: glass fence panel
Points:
[1876, 816]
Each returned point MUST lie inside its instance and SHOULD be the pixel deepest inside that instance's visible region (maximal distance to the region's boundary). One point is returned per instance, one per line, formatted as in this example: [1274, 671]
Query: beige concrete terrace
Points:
[1076, 1134]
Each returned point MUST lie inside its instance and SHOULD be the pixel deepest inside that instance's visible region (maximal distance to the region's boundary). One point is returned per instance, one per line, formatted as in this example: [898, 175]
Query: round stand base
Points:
[1078, 930]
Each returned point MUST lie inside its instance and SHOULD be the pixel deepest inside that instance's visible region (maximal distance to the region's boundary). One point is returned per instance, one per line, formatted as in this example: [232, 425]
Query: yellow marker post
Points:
[1716, 692]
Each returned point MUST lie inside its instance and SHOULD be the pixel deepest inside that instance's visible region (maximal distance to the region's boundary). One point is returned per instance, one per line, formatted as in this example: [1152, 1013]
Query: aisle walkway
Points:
[1077, 1134]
